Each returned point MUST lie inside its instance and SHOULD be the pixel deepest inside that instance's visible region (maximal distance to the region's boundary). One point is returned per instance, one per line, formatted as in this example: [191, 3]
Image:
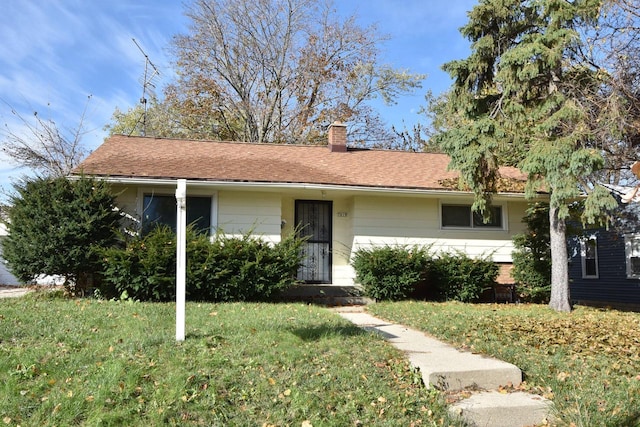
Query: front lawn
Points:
[587, 362]
[90, 362]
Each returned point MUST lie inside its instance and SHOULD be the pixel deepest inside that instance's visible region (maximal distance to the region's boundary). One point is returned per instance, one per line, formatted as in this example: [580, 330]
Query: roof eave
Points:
[297, 186]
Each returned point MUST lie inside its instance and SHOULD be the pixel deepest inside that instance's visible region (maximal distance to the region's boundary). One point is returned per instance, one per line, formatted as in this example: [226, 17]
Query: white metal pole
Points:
[181, 257]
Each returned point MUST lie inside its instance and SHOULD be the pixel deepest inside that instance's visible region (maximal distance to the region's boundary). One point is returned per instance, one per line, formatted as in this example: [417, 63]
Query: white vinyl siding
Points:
[240, 212]
[416, 221]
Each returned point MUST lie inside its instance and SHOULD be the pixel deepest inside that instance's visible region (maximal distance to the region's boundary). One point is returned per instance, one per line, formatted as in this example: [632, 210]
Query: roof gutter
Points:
[298, 186]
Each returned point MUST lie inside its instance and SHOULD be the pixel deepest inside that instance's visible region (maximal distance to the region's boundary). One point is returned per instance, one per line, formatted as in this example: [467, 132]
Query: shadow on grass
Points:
[316, 333]
[631, 420]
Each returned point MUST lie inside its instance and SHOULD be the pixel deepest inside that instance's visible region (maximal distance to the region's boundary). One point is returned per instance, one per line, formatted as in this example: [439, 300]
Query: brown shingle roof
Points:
[145, 157]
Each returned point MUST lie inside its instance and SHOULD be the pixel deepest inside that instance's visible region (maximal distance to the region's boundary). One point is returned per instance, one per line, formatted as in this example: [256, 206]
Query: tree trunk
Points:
[560, 300]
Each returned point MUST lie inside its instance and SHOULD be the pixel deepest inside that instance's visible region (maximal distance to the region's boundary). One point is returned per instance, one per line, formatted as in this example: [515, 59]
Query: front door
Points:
[313, 219]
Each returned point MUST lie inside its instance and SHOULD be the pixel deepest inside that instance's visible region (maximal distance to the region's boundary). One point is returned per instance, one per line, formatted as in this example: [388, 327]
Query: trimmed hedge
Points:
[390, 272]
[457, 277]
[244, 268]
[399, 272]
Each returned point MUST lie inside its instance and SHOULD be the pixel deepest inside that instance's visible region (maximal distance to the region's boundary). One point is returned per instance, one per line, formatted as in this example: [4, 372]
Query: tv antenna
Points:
[150, 71]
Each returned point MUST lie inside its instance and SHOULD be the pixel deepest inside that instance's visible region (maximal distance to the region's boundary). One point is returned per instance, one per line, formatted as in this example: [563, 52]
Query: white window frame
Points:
[501, 227]
[584, 256]
[196, 192]
[631, 250]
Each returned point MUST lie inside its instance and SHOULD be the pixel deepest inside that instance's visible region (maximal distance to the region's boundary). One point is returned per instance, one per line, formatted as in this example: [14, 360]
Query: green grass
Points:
[90, 362]
[587, 362]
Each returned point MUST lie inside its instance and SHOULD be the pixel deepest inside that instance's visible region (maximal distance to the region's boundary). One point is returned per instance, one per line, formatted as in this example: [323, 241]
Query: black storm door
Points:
[313, 219]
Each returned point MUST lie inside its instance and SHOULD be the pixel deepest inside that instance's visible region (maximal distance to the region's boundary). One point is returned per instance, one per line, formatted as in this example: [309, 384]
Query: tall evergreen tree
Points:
[56, 227]
[516, 101]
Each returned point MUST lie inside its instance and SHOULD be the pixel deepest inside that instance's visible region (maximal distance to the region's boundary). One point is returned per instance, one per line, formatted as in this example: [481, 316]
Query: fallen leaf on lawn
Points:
[272, 381]
[306, 423]
[7, 420]
[287, 392]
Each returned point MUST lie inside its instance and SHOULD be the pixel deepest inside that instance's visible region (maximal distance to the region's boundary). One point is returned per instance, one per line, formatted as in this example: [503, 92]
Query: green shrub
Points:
[59, 227]
[145, 269]
[242, 268]
[390, 272]
[457, 277]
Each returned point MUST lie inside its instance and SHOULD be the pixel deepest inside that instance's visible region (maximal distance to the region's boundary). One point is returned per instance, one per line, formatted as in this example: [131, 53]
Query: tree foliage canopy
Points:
[275, 71]
[516, 99]
[529, 95]
[57, 225]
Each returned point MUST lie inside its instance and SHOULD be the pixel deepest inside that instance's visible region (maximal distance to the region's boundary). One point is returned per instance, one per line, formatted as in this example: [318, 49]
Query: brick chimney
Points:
[338, 137]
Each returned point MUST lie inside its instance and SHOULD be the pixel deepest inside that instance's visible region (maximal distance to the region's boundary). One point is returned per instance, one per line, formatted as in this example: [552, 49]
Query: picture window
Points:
[462, 216]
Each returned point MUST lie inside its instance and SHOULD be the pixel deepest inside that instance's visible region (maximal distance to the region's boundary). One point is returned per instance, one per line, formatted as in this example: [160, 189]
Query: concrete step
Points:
[441, 365]
[495, 409]
[329, 295]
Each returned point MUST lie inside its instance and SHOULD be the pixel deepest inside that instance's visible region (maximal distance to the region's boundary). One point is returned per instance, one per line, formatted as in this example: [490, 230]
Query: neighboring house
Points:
[345, 198]
[6, 278]
[604, 264]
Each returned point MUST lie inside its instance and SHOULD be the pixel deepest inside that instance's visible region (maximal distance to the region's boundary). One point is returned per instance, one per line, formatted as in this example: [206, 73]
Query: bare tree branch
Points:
[41, 146]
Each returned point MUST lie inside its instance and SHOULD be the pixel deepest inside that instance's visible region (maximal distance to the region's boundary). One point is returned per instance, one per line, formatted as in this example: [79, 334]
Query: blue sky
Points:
[56, 53]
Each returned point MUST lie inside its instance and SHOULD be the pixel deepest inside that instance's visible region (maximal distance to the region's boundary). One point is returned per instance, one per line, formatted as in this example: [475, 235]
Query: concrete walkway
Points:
[448, 369]
[13, 291]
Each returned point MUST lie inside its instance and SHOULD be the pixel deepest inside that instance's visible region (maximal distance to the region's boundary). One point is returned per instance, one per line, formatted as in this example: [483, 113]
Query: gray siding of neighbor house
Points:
[612, 287]
[6, 278]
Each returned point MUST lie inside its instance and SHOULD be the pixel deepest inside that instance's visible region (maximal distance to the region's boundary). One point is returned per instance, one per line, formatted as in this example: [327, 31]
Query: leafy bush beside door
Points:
[394, 273]
[391, 273]
[244, 268]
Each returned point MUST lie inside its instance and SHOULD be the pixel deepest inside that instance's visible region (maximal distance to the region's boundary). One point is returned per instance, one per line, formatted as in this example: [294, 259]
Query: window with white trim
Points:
[589, 255]
[160, 209]
[632, 252]
[462, 216]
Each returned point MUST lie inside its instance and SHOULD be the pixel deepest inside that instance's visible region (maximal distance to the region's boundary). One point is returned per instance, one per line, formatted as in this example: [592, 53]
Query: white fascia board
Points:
[279, 186]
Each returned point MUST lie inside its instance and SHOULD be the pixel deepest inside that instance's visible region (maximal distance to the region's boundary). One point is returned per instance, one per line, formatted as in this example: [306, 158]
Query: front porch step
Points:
[329, 295]
[495, 409]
